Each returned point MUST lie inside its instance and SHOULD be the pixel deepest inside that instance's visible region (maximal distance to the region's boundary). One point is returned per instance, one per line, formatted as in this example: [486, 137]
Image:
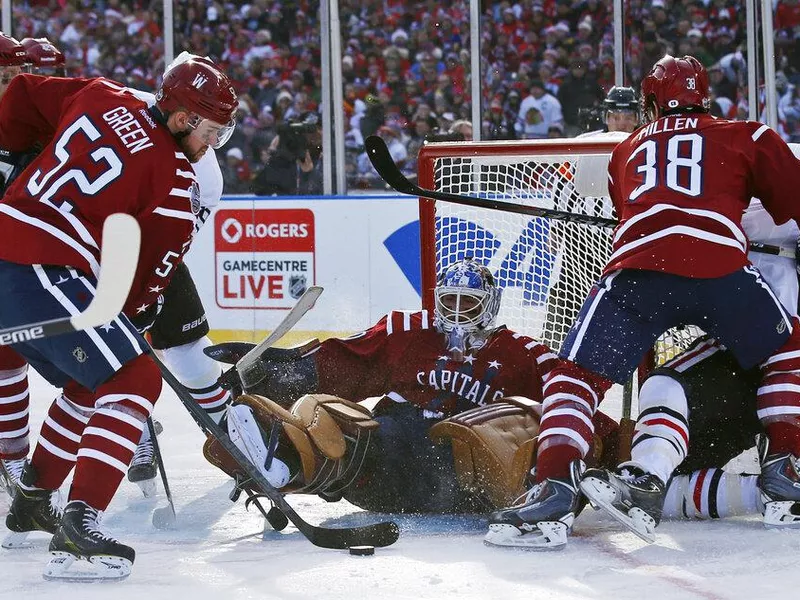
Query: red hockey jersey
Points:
[404, 357]
[106, 154]
[680, 185]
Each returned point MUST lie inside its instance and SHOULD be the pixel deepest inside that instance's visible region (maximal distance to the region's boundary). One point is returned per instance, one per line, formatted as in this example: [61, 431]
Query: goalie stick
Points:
[118, 259]
[378, 534]
[250, 367]
[381, 159]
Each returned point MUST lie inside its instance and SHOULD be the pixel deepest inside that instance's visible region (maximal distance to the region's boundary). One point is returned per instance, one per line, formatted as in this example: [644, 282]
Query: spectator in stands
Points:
[499, 124]
[462, 128]
[235, 172]
[579, 89]
[537, 112]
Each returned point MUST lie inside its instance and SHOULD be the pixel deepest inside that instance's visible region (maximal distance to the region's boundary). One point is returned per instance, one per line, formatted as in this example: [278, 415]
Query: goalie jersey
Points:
[404, 357]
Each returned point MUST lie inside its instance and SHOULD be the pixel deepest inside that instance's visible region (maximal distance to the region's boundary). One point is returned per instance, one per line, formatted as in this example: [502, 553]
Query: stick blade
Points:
[381, 159]
[379, 535]
[304, 304]
[118, 260]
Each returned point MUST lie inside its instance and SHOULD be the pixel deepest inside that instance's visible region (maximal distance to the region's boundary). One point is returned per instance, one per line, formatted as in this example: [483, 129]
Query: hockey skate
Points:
[542, 517]
[79, 538]
[10, 473]
[780, 486]
[143, 470]
[32, 509]
[630, 495]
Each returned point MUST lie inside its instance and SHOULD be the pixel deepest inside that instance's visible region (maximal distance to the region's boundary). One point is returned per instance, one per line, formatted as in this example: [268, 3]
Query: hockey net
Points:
[544, 267]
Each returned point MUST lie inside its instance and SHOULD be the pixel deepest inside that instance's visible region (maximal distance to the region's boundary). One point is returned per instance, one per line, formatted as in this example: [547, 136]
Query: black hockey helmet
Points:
[621, 98]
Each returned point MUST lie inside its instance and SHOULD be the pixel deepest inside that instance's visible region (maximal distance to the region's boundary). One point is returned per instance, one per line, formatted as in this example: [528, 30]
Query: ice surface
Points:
[218, 552]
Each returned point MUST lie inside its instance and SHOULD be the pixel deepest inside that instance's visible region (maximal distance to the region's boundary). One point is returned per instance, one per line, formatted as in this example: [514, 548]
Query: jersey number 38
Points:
[683, 170]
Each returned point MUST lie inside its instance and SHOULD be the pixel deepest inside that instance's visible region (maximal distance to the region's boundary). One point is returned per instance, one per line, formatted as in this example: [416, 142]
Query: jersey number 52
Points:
[683, 171]
[38, 183]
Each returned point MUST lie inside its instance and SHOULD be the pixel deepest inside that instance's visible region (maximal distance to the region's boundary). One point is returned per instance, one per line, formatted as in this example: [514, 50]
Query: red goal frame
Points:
[431, 152]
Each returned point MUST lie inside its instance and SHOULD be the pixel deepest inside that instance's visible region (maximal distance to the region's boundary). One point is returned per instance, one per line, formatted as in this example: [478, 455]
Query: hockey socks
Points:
[14, 404]
[712, 494]
[199, 374]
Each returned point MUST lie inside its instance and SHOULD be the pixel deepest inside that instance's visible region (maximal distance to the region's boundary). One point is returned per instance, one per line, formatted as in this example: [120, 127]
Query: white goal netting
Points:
[545, 267]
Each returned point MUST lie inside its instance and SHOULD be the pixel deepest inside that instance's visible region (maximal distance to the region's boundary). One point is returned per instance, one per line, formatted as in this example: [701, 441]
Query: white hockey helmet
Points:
[466, 297]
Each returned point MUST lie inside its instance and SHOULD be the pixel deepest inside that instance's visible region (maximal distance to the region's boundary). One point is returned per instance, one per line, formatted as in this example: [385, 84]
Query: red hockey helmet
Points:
[674, 85]
[197, 85]
[12, 54]
[42, 54]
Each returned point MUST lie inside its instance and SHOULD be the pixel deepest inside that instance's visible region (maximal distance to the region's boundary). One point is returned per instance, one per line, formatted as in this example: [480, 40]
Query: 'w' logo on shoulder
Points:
[199, 81]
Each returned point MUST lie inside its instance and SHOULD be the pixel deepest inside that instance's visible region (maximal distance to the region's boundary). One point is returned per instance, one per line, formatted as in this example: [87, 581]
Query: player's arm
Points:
[32, 107]
[355, 367]
[775, 169]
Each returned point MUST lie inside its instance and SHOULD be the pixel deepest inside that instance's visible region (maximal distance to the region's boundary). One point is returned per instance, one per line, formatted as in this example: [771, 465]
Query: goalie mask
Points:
[467, 301]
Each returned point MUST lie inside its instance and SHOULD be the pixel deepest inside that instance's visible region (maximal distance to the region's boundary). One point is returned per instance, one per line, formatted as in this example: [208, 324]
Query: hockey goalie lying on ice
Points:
[456, 422]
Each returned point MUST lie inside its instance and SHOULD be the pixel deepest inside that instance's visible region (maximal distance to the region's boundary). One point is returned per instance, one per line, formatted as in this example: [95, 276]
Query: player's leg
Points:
[712, 494]
[179, 334]
[35, 508]
[607, 341]
[753, 336]
[14, 407]
[662, 435]
[126, 384]
[701, 406]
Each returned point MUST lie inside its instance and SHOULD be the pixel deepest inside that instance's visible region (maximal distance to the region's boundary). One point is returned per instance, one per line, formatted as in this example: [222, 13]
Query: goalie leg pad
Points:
[322, 440]
[493, 447]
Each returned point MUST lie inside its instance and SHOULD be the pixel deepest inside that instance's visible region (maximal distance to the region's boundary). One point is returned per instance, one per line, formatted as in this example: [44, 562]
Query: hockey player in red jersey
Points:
[177, 325]
[679, 185]
[109, 153]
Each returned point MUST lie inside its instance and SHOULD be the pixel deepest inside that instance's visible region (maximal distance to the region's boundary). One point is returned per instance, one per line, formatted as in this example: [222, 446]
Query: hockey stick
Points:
[382, 160]
[250, 367]
[164, 517]
[377, 534]
[118, 259]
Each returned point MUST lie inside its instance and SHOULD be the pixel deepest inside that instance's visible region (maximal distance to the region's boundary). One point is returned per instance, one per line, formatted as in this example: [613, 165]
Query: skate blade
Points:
[149, 487]
[601, 496]
[103, 568]
[17, 541]
[544, 536]
[782, 514]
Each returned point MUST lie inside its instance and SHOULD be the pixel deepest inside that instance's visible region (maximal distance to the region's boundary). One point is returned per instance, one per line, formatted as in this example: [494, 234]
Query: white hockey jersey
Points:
[779, 271]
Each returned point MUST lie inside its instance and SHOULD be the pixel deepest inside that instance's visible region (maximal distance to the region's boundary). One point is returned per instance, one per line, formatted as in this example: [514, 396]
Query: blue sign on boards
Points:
[467, 238]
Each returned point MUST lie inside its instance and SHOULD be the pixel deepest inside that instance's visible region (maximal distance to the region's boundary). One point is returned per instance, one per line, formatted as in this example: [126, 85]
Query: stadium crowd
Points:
[406, 67]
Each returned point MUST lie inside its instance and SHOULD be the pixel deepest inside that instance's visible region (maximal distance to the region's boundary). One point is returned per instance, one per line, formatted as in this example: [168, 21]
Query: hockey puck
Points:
[362, 550]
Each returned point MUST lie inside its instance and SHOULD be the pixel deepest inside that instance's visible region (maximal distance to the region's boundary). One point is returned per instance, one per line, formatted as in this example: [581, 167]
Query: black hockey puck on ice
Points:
[362, 550]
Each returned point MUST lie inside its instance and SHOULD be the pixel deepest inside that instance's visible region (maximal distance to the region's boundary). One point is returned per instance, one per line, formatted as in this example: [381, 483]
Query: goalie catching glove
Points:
[317, 446]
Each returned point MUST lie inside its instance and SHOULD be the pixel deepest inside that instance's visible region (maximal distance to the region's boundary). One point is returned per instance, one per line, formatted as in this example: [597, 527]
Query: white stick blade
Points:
[304, 304]
[118, 260]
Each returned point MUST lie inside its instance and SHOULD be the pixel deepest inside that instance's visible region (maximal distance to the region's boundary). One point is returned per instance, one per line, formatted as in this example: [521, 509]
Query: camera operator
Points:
[292, 165]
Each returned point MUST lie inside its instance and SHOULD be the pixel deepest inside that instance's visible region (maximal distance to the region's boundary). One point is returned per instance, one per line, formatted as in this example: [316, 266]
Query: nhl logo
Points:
[194, 192]
[297, 286]
[79, 354]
